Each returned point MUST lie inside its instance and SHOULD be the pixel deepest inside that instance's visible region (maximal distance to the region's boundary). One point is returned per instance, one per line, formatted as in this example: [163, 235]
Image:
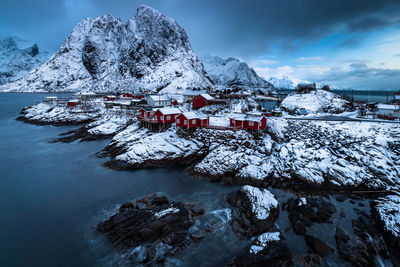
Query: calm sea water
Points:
[52, 195]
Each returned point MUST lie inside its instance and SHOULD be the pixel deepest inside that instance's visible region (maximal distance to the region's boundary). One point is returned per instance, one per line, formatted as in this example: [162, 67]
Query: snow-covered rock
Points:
[44, 113]
[343, 154]
[262, 201]
[17, 58]
[105, 54]
[318, 101]
[232, 73]
[388, 209]
[263, 240]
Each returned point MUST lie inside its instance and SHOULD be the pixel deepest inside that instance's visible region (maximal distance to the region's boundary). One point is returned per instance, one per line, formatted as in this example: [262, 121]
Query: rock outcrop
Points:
[152, 228]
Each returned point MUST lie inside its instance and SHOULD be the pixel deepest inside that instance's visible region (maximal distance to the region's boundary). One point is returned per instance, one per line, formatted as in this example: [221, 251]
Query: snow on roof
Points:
[74, 100]
[159, 97]
[190, 115]
[246, 117]
[254, 118]
[50, 97]
[238, 116]
[387, 106]
[167, 111]
[193, 115]
[207, 96]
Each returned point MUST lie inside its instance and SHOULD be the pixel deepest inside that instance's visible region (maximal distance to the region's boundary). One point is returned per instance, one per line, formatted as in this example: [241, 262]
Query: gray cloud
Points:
[359, 75]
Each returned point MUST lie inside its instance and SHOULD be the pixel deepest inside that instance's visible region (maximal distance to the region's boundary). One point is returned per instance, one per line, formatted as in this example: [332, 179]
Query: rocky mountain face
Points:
[17, 58]
[282, 83]
[105, 54]
[232, 73]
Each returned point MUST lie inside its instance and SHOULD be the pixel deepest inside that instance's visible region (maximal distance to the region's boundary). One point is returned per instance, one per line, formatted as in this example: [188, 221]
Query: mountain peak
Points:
[106, 54]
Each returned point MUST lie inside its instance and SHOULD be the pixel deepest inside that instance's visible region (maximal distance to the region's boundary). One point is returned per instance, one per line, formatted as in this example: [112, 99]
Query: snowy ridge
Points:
[231, 73]
[105, 54]
[17, 58]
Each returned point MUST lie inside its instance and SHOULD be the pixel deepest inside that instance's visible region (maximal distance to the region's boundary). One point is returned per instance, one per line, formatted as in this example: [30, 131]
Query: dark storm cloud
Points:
[225, 27]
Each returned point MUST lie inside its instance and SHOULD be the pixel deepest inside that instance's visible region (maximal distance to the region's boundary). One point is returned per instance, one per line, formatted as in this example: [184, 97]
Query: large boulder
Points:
[255, 210]
[155, 225]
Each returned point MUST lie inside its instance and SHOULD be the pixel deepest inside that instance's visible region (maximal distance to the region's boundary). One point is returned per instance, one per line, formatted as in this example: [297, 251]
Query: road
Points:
[339, 118]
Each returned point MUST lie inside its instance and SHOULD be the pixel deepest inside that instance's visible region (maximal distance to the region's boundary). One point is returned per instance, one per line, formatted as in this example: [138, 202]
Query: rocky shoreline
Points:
[315, 160]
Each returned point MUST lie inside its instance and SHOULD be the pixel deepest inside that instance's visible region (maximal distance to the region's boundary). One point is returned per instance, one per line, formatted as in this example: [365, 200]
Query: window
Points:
[177, 121]
[168, 117]
[185, 122]
[251, 123]
[193, 121]
[161, 118]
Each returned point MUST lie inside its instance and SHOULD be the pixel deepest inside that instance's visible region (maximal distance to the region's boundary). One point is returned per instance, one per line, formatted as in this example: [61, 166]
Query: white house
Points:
[158, 100]
[389, 110]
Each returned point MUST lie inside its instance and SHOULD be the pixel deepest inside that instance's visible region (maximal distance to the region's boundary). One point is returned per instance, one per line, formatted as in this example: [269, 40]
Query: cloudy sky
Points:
[345, 43]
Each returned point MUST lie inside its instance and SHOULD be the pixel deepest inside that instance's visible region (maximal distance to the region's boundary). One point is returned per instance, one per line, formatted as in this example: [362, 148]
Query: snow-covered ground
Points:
[58, 114]
[340, 153]
[319, 101]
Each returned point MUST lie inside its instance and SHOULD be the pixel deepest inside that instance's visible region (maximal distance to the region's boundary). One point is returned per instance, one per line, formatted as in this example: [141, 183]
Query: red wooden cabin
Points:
[248, 121]
[255, 123]
[73, 103]
[166, 115]
[202, 100]
[127, 95]
[190, 120]
[146, 112]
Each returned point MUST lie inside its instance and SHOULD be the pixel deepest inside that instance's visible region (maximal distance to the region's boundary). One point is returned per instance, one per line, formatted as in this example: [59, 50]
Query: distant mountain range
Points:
[232, 73]
[18, 57]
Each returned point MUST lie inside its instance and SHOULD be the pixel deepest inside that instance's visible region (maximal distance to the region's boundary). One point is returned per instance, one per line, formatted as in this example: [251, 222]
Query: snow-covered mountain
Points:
[105, 54]
[18, 57]
[282, 83]
[231, 73]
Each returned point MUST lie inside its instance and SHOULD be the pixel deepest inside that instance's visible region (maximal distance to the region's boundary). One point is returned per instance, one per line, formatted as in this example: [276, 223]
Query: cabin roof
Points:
[193, 115]
[207, 96]
[169, 111]
[159, 97]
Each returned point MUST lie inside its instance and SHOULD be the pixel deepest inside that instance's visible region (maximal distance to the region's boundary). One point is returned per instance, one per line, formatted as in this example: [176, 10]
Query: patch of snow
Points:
[165, 212]
[263, 240]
